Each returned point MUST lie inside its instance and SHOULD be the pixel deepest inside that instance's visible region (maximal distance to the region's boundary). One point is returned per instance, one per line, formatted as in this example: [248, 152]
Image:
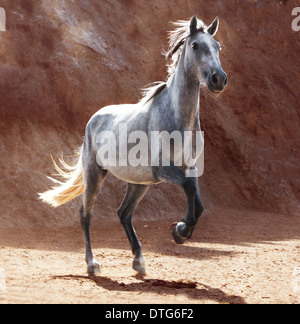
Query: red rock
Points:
[61, 61]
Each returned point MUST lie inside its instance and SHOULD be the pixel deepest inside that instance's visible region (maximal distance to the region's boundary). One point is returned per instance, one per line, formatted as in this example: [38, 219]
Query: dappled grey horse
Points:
[166, 106]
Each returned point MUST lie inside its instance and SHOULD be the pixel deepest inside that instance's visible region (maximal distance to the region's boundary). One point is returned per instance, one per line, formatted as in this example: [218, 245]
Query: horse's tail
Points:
[69, 189]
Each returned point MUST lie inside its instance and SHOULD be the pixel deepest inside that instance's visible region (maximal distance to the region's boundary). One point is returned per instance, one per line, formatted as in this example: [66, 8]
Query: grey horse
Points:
[171, 106]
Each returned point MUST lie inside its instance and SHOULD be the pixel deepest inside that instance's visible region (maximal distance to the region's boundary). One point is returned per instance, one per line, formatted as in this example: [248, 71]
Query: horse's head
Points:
[202, 56]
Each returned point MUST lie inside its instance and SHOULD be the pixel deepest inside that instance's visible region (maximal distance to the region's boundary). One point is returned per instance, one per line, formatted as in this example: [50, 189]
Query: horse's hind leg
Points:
[93, 177]
[133, 196]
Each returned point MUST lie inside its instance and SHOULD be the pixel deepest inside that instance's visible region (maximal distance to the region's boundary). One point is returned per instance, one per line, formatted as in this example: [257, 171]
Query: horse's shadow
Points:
[194, 291]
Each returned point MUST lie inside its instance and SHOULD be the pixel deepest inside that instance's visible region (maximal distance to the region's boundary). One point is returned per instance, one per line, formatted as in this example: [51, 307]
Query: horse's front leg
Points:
[184, 229]
[133, 196]
[198, 209]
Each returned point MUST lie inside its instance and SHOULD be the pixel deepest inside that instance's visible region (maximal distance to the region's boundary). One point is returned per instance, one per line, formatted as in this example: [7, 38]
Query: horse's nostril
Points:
[214, 79]
[219, 80]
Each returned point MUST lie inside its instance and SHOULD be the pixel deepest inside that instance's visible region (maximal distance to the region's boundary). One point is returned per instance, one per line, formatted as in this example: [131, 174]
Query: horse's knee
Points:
[124, 217]
[190, 186]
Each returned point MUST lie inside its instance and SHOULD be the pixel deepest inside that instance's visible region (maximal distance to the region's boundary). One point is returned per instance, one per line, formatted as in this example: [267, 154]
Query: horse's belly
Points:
[136, 175]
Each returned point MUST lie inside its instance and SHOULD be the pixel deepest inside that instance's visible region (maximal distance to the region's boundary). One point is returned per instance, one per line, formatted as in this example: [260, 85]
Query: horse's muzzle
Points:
[217, 82]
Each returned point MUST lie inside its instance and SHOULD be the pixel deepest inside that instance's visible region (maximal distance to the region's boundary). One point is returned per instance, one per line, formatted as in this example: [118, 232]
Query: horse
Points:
[174, 105]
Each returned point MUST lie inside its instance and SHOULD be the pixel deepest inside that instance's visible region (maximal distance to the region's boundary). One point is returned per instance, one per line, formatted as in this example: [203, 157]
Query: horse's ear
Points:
[213, 28]
[193, 25]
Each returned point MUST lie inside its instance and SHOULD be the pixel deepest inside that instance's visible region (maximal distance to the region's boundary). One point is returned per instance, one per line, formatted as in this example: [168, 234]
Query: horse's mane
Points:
[177, 38]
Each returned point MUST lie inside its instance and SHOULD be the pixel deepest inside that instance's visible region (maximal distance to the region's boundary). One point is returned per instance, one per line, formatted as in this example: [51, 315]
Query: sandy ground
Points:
[234, 257]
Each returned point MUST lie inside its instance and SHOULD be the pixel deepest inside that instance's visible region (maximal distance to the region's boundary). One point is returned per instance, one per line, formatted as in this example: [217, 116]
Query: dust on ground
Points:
[234, 257]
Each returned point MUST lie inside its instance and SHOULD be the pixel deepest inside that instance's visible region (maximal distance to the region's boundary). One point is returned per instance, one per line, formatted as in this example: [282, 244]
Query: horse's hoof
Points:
[139, 266]
[93, 268]
[178, 238]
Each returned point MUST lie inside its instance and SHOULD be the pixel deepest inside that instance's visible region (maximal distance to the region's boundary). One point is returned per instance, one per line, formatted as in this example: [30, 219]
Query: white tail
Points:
[64, 192]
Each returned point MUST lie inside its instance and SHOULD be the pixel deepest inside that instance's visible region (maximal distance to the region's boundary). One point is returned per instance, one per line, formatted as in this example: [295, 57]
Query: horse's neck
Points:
[185, 93]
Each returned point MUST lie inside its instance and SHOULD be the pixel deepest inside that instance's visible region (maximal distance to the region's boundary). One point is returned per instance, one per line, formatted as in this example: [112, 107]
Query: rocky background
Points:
[61, 61]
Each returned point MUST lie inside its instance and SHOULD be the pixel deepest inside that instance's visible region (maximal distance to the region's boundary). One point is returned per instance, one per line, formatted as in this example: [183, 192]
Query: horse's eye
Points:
[195, 46]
